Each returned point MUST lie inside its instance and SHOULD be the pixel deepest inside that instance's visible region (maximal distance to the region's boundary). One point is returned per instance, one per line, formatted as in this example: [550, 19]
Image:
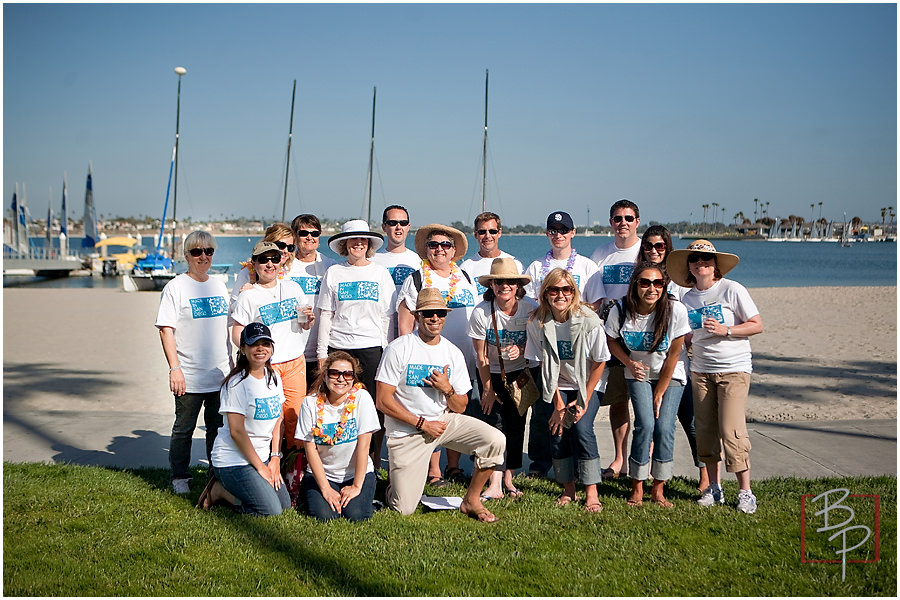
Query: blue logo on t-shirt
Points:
[206, 308]
[310, 285]
[416, 374]
[713, 311]
[480, 289]
[400, 273]
[642, 341]
[350, 433]
[507, 337]
[278, 312]
[617, 274]
[461, 299]
[267, 408]
[564, 347]
[357, 290]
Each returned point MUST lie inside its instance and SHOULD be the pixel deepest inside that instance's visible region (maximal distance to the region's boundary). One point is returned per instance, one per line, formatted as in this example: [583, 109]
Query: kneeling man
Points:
[422, 383]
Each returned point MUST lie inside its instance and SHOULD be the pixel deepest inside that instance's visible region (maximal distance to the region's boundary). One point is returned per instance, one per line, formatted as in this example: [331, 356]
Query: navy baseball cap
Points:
[560, 219]
[254, 332]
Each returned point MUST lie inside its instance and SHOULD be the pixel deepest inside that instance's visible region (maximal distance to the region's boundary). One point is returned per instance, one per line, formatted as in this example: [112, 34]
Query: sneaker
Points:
[711, 496]
[181, 486]
[746, 502]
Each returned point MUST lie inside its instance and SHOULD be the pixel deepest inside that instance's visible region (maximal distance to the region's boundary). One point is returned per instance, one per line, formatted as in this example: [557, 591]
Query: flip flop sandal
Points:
[485, 497]
[514, 493]
[635, 502]
[202, 503]
[483, 516]
[455, 475]
[594, 508]
[662, 502]
[437, 482]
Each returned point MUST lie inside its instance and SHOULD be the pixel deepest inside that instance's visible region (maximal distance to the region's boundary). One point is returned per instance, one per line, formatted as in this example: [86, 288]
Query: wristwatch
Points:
[276, 454]
[728, 333]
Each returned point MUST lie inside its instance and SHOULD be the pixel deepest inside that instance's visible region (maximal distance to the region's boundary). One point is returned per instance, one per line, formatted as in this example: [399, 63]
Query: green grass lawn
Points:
[91, 531]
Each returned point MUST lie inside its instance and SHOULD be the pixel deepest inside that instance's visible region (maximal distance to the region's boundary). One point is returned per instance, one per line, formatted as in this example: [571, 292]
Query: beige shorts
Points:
[616, 388]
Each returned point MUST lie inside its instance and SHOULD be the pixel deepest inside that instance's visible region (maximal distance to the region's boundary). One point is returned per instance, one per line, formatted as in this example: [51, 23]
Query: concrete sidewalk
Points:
[807, 449]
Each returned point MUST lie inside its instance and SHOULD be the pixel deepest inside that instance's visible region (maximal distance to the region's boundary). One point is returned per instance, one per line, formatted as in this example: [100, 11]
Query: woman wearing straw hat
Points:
[722, 317]
[497, 329]
[356, 301]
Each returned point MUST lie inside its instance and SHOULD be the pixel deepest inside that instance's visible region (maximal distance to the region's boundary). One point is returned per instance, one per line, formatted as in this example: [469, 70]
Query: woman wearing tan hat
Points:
[501, 320]
[722, 317]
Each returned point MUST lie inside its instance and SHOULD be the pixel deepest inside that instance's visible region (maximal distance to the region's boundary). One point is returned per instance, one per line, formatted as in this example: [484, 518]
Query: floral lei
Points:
[454, 279]
[549, 256]
[349, 406]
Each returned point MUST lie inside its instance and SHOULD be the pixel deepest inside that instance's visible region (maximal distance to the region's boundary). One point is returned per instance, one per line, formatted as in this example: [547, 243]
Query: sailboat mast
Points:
[484, 149]
[371, 161]
[179, 71]
[287, 168]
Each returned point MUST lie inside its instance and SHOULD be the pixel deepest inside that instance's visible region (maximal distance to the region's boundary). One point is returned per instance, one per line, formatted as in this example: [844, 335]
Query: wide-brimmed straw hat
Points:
[503, 268]
[430, 299]
[677, 264]
[356, 228]
[459, 240]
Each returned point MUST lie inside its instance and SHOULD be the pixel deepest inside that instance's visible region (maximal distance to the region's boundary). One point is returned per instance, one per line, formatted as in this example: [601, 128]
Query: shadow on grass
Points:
[876, 377]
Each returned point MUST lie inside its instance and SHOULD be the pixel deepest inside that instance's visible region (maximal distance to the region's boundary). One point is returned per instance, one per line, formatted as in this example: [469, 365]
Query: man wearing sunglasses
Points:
[487, 233]
[399, 260]
[615, 262]
[422, 383]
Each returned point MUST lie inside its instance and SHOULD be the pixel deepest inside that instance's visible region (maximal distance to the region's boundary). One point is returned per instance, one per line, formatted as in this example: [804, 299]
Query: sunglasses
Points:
[558, 231]
[302, 233]
[430, 314]
[484, 231]
[660, 247]
[395, 222]
[335, 374]
[268, 258]
[644, 283]
[283, 246]
[432, 245]
[619, 218]
[704, 256]
[509, 282]
[565, 290]
[196, 252]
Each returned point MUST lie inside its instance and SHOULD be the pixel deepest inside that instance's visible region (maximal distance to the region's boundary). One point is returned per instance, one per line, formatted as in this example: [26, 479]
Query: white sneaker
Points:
[711, 496]
[746, 502]
[181, 486]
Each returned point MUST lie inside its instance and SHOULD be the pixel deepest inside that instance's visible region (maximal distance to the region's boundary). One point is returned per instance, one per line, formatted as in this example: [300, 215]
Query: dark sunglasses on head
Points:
[335, 374]
[558, 231]
[267, 258]
[561, 289]
[195, 252]
[433, 245]
[484, 231]
[395, 222]
[288, 247]
[302, 233]
[644, 283]
[430, 314]
[704, 256]
[660, 247]
[618, 218]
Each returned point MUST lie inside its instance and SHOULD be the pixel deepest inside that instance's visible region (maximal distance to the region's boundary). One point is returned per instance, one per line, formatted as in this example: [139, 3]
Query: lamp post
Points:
[178, 71]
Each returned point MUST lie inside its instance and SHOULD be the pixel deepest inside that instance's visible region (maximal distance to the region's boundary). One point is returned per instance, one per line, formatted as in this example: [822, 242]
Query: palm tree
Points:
[705, 206]
[820, 209]
[767, 208]
[812, 209]
[883, 215]
[738, 216]
[755, 208]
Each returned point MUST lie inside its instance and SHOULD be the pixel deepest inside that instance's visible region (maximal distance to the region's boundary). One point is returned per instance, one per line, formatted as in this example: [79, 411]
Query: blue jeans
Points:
[256, 495]
[647, 428]
[358, 509]
[539, 444]
[187, 410]
[578, 442]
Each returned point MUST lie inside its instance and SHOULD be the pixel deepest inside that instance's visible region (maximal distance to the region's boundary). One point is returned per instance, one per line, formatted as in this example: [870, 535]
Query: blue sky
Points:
[672, 106]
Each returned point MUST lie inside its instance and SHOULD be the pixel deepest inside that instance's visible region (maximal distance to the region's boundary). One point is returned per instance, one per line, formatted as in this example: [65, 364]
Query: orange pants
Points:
[293, 380]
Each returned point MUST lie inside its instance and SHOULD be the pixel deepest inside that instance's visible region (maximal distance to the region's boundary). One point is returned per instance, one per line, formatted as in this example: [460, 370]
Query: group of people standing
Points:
[335, 358]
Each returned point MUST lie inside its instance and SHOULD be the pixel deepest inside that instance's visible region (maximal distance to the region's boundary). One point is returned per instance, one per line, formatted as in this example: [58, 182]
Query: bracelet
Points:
[451, 393]
[175, 368]
[275, 454]
[419, 423]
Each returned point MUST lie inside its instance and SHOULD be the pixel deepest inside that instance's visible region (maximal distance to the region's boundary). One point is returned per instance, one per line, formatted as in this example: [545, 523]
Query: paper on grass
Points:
[441, 502]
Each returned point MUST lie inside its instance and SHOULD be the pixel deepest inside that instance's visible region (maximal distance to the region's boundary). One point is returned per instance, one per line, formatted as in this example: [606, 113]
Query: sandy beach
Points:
[826, 353]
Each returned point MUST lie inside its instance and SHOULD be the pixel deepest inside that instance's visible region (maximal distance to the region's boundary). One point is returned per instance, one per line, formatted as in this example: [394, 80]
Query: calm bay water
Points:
[763, 264]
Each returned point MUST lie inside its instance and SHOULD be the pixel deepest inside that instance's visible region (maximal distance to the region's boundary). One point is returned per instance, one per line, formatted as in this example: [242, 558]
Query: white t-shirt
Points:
[406, 362]
[479, 265]
[462, 304]
[595, 349]
[360, 297]
[582, 271]
[276, 308]
[338, 459]
[728, 302]
[399, 264]
[308, 275]
[260, 404]
[637, 333]
[512, 332]
[199, 314]
[615, 267]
